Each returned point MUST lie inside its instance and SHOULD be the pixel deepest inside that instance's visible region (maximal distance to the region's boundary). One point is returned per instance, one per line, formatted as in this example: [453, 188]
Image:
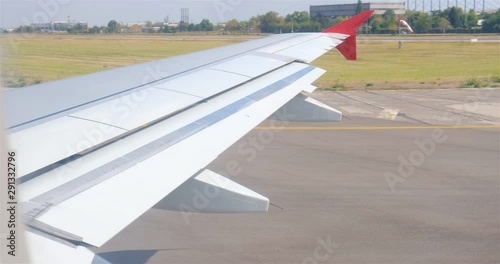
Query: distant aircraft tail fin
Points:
[349, 27]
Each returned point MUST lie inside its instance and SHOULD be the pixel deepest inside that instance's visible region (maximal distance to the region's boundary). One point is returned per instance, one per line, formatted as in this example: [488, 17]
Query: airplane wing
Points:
[97, 151]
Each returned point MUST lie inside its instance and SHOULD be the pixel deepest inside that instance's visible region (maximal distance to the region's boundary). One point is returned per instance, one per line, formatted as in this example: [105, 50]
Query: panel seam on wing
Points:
[219, 70]
[300, 43]
[143, 85]
[79, 184]
[98, 122]
[40, 171]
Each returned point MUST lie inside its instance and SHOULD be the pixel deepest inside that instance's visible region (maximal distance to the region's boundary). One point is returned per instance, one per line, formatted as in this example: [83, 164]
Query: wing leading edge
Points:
[145, 143]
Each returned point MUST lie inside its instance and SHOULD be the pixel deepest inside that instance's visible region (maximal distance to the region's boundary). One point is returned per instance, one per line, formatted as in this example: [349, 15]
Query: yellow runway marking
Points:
[377, 127]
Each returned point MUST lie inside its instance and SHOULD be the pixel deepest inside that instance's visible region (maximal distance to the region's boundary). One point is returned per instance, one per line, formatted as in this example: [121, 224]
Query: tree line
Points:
[452, 19]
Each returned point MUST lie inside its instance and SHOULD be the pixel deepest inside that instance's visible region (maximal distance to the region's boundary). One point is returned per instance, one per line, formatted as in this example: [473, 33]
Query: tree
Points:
[359, 7]
[113, 27]
[375, 27]
[78, 28]
[338, 20]
[24, 29]
[492, 23]
[205, 25]
[298, 17]
[254, 23]
[270, 22]
[94, 30]
[183, 26]
[444, 24]
[103, 29]
[436, 18]
[471, 19]
[445, 13]
[311, 26]
[324, 22]
[389, 20]
[297, 21]
[244, 25]
[456, 17]
[389, 15]
[422, 22]
[233, 25]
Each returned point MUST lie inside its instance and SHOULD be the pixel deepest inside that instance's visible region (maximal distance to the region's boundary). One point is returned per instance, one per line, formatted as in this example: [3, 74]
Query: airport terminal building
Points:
[350, 9]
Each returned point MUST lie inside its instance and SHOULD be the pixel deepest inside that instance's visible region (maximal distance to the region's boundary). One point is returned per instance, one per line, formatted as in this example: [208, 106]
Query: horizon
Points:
[98, 13]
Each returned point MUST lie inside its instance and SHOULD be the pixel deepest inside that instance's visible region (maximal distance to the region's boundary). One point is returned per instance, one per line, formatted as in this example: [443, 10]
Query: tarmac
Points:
[409, 176]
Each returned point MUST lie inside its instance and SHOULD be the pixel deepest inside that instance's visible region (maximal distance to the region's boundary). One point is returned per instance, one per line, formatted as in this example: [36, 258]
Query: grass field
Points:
[418, 64]
[381, 65]
[27, 60]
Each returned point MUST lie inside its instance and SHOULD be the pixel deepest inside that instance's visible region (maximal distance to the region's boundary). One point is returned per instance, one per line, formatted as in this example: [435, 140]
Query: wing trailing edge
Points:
[349, 27]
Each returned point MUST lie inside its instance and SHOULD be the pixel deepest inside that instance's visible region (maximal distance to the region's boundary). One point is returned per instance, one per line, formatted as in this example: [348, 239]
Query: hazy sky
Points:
[18, 12]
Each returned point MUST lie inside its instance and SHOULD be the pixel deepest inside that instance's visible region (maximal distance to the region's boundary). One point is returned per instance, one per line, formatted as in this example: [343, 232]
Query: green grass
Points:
[428, 64]
[338, 87]
[29, 60]
[381, 65]
[481, 82]
[470, 83]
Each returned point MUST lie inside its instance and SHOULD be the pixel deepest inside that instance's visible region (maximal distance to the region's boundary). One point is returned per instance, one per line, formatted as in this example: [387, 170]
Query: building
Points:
[59, 26]
[350, 9]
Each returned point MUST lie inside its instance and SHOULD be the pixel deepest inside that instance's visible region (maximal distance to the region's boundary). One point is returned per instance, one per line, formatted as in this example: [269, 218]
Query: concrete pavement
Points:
[383, 186]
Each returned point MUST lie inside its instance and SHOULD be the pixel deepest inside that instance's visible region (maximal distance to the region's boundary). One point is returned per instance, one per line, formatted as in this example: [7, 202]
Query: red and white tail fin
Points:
[349, 27]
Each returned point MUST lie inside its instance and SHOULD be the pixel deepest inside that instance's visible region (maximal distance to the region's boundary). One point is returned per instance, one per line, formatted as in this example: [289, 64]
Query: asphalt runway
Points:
[406, 177]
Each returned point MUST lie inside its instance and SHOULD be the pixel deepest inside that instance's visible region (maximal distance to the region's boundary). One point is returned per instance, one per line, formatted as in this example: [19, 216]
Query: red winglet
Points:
[349, 27]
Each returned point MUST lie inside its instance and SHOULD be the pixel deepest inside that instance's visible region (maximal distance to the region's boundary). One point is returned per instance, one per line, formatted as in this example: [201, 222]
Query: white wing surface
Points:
[97, 151]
